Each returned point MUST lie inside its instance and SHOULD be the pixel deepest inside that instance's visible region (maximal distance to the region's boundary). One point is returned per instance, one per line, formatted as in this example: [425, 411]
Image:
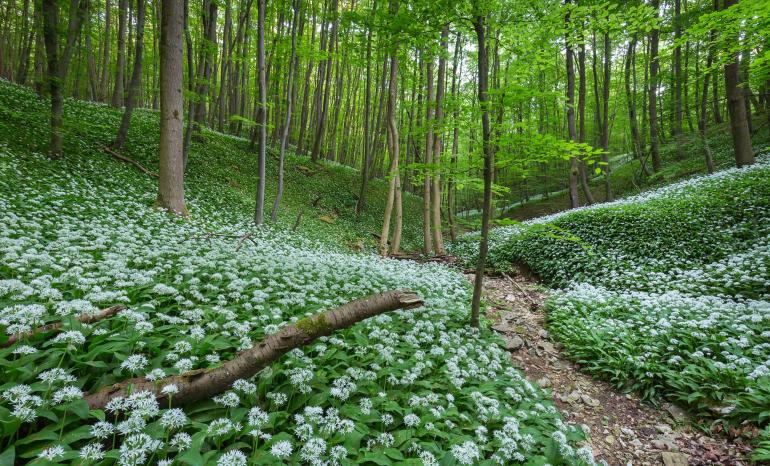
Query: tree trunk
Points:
[677, 129]
[636, 140]
[456, 71]
[392, 136]
[426, 184]
[259, 210]
[653, 104]
[296, 6]
[57, 67]
[204, 383]
[105, 71]
[171, 165]
[367, 104]
[117, 93]
[479, 19]
[736, 106]
[136, 77]
[573, 162]
[585, 187]
[606, 117]
[438, 238]
[703, 120]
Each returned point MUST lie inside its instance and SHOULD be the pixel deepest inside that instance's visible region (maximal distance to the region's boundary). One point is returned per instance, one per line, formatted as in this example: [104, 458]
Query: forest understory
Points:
[369, 232]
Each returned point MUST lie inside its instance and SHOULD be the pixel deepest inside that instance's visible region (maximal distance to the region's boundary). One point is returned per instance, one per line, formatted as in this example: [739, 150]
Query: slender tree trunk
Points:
[259, 210]
[117, 93]
[136, 77]
[323, 111]
[573, 170]
[703, 121]
[677, 129]
[636, 140]
[653, 105]
[456, 72]
[489, 159]
[51, 36]
[296, 6]
[171, 173]
[224, 64]
[207, 58]
[57, 67]
[426, 185]
[606, 117]
[367, 105]
[736, 105]
[438, 237]
[392, 136]
[585, 187]
[105, 76]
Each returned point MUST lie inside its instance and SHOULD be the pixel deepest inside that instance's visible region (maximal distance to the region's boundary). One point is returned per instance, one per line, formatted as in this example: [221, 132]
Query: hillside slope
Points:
[221, 167]
[411, 387]
[666, 293]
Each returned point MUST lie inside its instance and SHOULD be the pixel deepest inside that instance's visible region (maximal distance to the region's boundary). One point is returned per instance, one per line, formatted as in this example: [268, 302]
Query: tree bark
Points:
[296, 6]
[636, 140]
[653, 99]
[456, 72]
[203, 384]
[438, 237]
[171, 173]
[57, 67]
[573, 162]
[479, 19]
[136, 77]
[585, 187]
[82, 318]
[426, 184]
[259, 210]
[367, 105]
[117, 93]
[677, 129]
[736, 106]
[608, 196]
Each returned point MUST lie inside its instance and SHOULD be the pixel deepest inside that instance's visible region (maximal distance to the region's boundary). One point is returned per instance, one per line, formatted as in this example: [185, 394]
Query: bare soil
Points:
[622, 429]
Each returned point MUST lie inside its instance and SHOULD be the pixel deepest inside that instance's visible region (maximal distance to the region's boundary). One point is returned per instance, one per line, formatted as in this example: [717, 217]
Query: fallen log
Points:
[130, 162]
[83, 318]
[204, 383]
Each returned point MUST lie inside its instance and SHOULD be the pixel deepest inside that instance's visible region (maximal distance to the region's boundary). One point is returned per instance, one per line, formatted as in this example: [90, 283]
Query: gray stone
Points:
[674, 459]
[677, 413]
[544, 382]
[513, 343]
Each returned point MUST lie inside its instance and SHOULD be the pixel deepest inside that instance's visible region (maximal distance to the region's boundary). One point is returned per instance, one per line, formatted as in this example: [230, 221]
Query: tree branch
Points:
[203, 384]
[83, 318]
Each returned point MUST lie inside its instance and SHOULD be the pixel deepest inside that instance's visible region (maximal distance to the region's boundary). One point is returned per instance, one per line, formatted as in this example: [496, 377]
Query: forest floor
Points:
[621, 428]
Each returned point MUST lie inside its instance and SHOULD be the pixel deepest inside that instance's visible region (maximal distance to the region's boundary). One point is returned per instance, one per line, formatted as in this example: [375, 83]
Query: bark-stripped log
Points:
[204, 383]
[83, 318]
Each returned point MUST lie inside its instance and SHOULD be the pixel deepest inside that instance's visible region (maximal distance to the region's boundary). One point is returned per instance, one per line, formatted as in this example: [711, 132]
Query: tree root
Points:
[203, 384]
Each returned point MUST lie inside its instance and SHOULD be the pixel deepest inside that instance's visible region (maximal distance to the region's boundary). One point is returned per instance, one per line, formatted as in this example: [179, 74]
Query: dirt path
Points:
[622, 429]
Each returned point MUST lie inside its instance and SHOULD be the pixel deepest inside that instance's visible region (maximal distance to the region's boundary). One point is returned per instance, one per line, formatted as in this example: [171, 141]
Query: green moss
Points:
[314, 325]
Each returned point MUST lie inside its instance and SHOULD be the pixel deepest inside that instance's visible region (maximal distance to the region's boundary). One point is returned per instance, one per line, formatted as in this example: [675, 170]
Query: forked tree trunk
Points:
[171, 173]
[203, 384]
[136, 77]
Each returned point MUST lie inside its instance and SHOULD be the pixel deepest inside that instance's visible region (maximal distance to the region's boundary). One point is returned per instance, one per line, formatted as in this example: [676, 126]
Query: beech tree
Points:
[171, 164]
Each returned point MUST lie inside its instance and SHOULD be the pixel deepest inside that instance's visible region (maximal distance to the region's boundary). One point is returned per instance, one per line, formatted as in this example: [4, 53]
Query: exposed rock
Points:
[677, 413]
[592, 402]
[544, 382]
[674, 459]
[513, 343]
